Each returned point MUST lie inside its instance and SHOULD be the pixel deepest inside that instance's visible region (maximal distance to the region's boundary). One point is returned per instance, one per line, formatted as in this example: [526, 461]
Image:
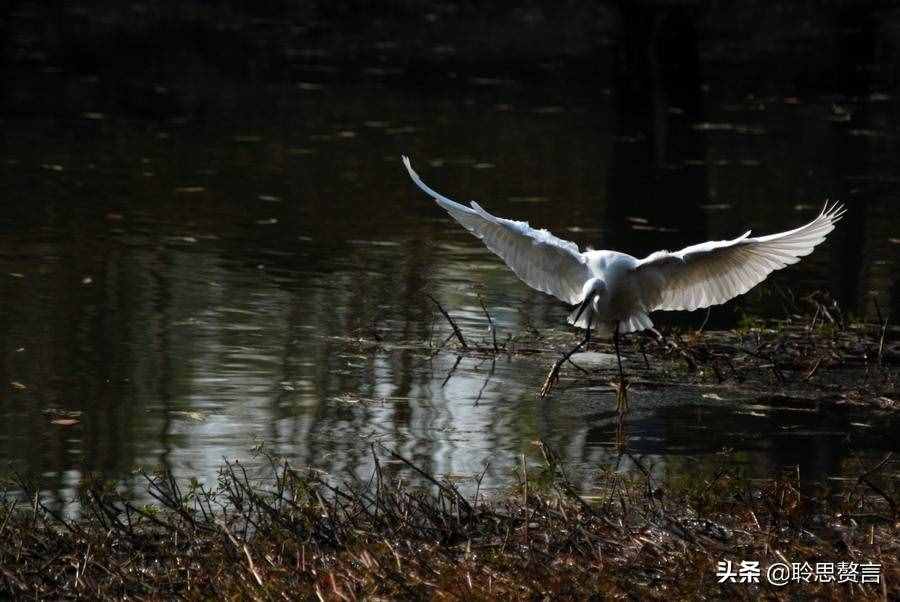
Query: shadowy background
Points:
[201, 203]
[163, 58]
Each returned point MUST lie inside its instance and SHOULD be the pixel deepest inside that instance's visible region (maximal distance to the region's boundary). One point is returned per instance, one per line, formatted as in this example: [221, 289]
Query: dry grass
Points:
[298, 535]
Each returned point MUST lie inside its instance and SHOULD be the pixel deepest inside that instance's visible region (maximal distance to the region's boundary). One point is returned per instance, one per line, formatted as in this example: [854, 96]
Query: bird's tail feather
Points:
[634, 323]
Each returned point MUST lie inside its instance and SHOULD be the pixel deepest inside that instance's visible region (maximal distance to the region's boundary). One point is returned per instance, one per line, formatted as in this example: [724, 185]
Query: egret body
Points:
[614, 293]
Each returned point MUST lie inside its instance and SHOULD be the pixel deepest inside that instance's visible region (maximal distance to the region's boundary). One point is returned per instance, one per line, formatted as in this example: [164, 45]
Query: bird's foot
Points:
[621, 434]
[622, 397]
[552, 378]
[621, 410]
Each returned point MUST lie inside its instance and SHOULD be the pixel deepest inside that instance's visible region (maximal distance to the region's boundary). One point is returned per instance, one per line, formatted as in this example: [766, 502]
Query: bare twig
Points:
[884, 323]
[486, 381]
[452, 370]
[490, 325]
[864, 478]
[453, 325]
[814, 369]
[705, 319]
[442, 486]
[243, 547]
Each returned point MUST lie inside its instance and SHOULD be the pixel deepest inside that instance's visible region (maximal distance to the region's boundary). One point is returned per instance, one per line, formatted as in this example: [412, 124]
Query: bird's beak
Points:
[583, 306]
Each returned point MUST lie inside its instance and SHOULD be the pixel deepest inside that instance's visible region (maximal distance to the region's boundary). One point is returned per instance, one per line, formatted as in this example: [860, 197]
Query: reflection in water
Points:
[189, 289]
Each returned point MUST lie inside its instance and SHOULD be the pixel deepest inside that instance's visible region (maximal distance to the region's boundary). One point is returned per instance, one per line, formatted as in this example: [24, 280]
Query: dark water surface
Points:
[176, 291]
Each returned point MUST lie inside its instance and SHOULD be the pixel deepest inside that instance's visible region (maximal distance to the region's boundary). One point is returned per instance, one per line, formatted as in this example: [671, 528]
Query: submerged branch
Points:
[453, 325]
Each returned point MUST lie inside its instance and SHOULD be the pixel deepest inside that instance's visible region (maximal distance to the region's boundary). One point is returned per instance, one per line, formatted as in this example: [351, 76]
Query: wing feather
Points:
[713, 272]
[541, 260]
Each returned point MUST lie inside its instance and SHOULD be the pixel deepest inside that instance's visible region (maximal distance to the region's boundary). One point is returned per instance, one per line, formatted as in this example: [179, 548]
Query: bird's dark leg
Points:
[553, 375]
[650, 333]
[644, 353]
[618, 355]
[587, 339]
[621, 433]
[621, 395]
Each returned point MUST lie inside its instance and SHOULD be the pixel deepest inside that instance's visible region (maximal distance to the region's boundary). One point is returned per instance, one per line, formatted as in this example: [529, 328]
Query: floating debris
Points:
[62, 417]
[728, 127]
[648, 228]
[189, 414]
[864, 133]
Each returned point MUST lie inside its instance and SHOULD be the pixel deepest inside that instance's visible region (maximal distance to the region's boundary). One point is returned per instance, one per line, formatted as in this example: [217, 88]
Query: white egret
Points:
[613, 292]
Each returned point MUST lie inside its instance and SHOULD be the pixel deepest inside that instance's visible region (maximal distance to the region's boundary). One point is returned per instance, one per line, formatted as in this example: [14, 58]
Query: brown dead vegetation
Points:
[300, 535]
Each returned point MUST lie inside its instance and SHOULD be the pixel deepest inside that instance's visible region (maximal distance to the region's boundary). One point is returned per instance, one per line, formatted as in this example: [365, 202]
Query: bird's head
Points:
[594, 294]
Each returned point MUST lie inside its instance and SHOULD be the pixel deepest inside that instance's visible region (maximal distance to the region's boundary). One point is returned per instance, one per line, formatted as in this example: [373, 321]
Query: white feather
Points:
[543, 262]
[697, 276]
[714, 272]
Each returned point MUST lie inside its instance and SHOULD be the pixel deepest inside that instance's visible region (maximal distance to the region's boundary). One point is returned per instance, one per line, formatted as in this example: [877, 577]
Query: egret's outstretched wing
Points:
[541, 260]
[714, 272]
